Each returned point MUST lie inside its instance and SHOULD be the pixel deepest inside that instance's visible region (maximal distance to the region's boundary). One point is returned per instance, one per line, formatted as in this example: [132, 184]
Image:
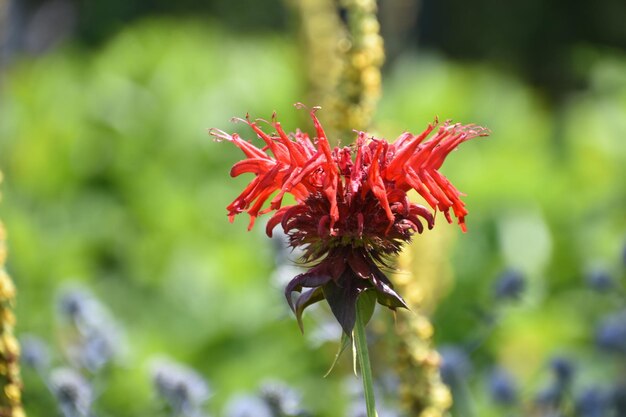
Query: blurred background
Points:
[114, 199]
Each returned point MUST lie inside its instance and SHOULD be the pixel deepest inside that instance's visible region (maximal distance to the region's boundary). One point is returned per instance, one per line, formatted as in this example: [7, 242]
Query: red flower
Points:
[351, 213]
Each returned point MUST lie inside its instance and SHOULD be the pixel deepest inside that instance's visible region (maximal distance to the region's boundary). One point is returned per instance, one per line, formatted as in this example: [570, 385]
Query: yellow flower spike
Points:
[7, 289]
[10, 395]
[344, 62]
[423, 272]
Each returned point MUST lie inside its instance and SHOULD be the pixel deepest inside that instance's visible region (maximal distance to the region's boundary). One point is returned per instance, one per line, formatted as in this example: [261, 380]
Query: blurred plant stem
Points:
[11, 384]
[345, 57]
[424, 273]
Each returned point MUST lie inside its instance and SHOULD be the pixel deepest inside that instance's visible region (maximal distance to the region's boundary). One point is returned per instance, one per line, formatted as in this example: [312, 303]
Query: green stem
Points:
[360, 342]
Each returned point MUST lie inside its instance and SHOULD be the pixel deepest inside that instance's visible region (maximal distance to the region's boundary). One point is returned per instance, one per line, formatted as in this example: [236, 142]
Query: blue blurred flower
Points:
[35, 352]
[97, 349]
[93, 337]
[509, 285]
[592, 402]
[73, 303]
[73, 393]
[247, 406]
[181, 387]
[455, 365]
[78, 306]
[599, 280]
[502, 387]
[563, 369]
[549, 397]
[611, 333]
[282, 399]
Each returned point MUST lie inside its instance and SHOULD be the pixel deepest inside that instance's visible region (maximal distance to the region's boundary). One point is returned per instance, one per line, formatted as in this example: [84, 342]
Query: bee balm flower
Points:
[352, 212]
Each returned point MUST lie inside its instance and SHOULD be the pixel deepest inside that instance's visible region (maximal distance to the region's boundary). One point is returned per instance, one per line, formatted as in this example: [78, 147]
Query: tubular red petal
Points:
[330, 169]
[377, 186]
[415, 181]
[405, 149]
[462, 224]
[307, 146]
[248, 149]
[419, 158]
[418, 210]
[275, 220]
[297, 156]
[322, 141]
[279, 151]
[260, 200]
[432, 186]
[253, 165]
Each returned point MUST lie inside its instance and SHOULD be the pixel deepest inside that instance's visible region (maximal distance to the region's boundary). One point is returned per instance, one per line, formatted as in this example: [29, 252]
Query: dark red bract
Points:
[352, 211]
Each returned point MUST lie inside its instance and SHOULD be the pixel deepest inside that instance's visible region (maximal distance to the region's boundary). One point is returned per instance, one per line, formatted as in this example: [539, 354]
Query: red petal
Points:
[377, 186]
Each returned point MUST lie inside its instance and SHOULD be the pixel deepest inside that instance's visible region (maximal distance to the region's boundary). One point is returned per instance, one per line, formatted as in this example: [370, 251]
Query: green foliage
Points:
[112, 179]
[546, 196]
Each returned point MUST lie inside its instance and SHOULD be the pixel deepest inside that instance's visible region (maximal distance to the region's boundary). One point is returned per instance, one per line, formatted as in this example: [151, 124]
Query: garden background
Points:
[111, 184]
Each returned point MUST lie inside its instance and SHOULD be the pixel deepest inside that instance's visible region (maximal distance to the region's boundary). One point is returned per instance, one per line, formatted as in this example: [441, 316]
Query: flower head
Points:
[35, 352]
[73, 393]
[455, 365]
[611, 333]
[351, 210]
[180, 386]
[509, 286]
[502, 387]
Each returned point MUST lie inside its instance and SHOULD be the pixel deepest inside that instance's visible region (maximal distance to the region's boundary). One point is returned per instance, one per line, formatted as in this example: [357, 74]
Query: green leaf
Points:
[345, 342]
[366, 304]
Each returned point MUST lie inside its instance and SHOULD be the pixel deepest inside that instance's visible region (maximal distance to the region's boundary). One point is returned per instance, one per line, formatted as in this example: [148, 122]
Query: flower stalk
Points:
[365, 308]
[345, 56]
[424, 276]
[359, 86]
